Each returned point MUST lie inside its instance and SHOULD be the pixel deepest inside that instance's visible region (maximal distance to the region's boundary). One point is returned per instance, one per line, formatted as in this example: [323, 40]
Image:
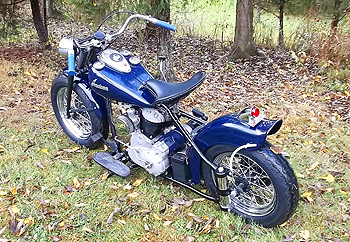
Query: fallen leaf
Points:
[197, 219]
[110, 218]
[313, 166]
[127, 187]
[3, 193]
[2, 231]
[138, 182]
[308, 196]
[13, 210]
[76, 183]
[188, 238]
[329, 177]
[38, 164]
[299, 175]
[167, 223]
[87, 230]
[133, 195]
[208, 225]
[61, 224]
[45, 151]
[13, 191]
[189, 225]
[30, 220]
[79, 205]
[305, 235]
[104, 176]
[156, 217]
[66, 162]
[2, 148]
[343, 191]
[121, 221]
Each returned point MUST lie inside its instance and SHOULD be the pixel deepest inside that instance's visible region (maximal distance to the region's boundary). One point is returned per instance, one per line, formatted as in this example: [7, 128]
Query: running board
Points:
[107, 161]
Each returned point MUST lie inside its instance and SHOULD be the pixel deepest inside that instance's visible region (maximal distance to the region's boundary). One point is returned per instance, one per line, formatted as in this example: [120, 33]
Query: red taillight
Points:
[255, 112]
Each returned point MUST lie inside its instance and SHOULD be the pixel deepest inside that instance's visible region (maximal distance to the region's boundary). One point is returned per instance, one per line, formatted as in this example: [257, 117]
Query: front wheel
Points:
[264, 187]
[82, 124]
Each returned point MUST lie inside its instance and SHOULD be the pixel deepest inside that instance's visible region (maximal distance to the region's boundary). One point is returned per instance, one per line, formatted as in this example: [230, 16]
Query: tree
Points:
[164, 38]
[340, 9]
[159, 9]
[40, 24]
[243, 46]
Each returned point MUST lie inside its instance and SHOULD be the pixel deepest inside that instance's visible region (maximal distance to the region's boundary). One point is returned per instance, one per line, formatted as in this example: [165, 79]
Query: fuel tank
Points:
[120, 77]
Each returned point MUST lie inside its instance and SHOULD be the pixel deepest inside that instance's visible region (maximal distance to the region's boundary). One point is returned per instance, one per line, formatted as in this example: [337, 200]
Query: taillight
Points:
[255, 112]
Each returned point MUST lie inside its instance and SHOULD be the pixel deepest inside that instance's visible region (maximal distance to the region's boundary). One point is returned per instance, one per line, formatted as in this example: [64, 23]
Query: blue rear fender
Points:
[229, 130]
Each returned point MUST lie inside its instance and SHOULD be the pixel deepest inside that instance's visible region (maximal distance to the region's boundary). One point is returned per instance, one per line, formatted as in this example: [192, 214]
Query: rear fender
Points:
[229, 130]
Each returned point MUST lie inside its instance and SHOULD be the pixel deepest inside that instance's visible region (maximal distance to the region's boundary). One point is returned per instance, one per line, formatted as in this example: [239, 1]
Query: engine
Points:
[152, 137]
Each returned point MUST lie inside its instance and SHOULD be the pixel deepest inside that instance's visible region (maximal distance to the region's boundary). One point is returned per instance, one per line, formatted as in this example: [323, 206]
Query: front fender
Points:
[229, 130]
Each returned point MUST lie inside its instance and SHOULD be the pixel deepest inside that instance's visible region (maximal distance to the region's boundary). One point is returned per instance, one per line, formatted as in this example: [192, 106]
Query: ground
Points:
[51, 190]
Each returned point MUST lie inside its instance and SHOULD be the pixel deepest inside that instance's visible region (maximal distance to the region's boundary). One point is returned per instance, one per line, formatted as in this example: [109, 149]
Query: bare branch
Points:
[269, 11]
[8, 4]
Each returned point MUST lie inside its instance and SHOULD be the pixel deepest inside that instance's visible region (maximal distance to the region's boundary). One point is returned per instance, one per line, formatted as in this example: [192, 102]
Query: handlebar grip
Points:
[71, 64]
[166, 25]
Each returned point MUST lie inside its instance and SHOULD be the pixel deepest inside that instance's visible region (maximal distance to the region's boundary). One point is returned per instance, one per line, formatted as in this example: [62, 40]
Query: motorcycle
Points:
[230, 156]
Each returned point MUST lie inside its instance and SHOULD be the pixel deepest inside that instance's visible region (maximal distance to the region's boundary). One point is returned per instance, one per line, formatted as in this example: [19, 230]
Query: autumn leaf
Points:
[87, 230]
[328, 177]
[76, 183]
[308, 196]
[299, 175]
[13, 191]
[104, 176]
[167, 223]
[45, 151]
[305, 235]
[13, 210]
[313, 166]
[121, 221]
[3, 193]
[343, 192]
[2, 148]
[133, 195]
[30, 220]
[156, 217]
[138, 182]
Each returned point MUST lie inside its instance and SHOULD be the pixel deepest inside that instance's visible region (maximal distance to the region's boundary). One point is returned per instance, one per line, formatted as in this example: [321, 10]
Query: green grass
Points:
[308, 134]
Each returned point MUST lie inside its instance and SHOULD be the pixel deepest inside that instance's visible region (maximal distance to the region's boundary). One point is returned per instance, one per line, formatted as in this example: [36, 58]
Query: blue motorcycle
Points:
[106, 96]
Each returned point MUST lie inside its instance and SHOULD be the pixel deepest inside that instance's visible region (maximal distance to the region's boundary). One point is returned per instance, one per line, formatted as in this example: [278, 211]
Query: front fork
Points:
[69, 93]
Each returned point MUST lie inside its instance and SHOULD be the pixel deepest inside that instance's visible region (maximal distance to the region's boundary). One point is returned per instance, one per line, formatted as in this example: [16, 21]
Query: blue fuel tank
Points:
[120, 78]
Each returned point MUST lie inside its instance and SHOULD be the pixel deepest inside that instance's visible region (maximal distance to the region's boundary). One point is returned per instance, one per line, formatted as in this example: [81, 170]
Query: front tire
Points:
[82, 125]
[265, 188]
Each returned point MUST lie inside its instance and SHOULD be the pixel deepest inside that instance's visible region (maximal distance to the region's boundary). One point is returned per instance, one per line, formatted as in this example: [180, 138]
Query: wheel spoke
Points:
[258, 196]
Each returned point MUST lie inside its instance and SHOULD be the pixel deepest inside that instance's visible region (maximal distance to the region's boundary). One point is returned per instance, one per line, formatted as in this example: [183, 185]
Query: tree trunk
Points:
[243, 46]
[336, 17]
[281, 35]
[257, 17]
[39, 24]
[164, 38]
[49, 8]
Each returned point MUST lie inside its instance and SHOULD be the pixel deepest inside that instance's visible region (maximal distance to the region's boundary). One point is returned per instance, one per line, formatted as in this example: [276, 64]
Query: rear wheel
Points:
[82, 125]
[264, 186]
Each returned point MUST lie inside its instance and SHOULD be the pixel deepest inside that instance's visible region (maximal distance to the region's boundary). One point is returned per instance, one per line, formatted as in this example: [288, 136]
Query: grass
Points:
[43, 172]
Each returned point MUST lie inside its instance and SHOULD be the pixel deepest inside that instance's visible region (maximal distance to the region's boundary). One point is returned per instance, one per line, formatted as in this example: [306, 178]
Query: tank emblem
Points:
[99, 86]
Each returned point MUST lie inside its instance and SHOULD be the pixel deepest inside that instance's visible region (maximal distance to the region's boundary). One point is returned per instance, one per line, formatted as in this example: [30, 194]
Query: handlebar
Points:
[147, 18]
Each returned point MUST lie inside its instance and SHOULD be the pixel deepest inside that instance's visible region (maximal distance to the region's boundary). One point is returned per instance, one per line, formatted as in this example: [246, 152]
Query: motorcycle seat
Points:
[168, 93]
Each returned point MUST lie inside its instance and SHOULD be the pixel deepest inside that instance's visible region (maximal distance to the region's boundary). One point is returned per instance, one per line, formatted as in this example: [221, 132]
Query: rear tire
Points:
[268, 190]
[81, 126]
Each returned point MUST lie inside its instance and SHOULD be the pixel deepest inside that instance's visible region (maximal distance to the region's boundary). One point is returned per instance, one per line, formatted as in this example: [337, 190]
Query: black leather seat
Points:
[169, 93]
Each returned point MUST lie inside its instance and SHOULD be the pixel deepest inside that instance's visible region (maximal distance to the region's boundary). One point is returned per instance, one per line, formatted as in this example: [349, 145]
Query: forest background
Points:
[50, 189]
